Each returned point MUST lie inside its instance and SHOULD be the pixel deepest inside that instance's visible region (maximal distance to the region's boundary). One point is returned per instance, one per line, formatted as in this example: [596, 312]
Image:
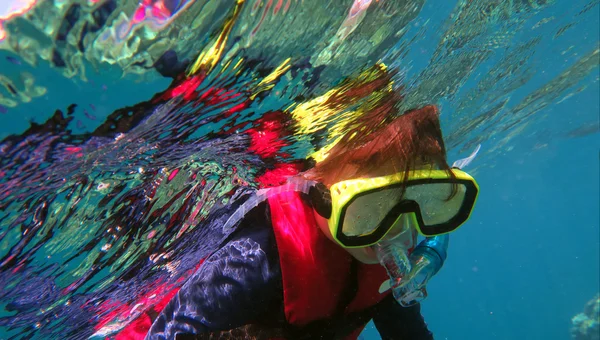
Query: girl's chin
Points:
[365, 255]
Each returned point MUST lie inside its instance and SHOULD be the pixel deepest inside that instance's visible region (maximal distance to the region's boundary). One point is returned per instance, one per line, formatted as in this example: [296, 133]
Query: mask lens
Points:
[438, 205]
[436, 201]
[365, 213]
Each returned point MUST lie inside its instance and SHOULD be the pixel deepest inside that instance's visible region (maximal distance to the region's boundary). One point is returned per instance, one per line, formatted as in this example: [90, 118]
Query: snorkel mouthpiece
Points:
[409, 275]
[394, 258]
[393, 254]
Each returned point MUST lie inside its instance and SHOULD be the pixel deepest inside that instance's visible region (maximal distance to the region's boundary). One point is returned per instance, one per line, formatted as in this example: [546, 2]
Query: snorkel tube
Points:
[409, 271]
[426, 260]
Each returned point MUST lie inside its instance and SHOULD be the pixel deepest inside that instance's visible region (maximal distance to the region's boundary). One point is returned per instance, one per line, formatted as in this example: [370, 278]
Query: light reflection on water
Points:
[108, 209]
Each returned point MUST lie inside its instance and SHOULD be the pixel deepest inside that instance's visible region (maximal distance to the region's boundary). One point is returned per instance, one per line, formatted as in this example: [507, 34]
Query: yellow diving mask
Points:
[364, 211]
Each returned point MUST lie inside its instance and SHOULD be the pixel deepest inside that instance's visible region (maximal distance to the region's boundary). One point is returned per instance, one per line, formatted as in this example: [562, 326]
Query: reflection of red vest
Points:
[315, 270]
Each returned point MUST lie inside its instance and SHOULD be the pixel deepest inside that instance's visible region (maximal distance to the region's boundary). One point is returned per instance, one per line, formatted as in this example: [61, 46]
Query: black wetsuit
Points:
[241, 284]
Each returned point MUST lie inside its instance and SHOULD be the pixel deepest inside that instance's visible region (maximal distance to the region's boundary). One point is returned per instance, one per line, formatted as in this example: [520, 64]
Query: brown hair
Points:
[405, 142]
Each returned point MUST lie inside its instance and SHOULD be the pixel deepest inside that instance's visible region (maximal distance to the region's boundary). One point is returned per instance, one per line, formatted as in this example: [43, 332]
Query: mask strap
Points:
[321, 201]
[320, 197]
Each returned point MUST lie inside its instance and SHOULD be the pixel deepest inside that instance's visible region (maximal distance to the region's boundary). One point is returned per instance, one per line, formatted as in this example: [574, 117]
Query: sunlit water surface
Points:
[102, 203]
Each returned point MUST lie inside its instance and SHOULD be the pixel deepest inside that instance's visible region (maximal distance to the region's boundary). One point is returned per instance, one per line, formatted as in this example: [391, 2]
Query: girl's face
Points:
[367, 254]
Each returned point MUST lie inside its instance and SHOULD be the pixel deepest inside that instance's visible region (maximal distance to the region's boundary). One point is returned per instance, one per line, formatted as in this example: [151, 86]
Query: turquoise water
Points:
[528, 259]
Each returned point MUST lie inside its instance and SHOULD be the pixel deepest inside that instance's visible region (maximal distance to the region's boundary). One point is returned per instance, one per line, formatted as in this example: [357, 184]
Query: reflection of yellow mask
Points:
[364, 211]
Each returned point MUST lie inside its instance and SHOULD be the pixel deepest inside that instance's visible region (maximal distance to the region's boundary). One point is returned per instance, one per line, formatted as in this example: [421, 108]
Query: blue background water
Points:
[528, 260]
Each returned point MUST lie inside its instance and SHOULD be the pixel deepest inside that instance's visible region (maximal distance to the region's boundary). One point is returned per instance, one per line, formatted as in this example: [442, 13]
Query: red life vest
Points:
[314, 270]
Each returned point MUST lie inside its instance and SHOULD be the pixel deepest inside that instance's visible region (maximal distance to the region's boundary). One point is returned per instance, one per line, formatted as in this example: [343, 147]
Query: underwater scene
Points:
[140, 139]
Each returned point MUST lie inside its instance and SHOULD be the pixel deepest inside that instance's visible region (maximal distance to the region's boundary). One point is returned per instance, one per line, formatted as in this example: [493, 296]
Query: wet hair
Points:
[409, 141]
